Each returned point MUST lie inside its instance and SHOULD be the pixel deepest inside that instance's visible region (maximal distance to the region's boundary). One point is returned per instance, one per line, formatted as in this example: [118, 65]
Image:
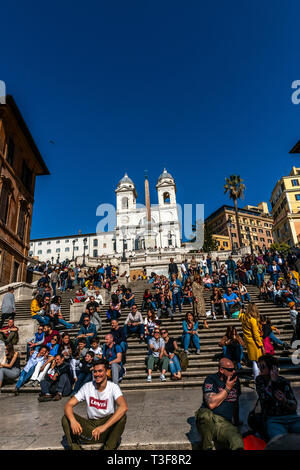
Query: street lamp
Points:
[84, 247]
[73, 241]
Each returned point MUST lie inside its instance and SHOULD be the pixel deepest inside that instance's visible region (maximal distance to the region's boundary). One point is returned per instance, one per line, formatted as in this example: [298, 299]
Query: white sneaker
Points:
[163, 378]
[149, 378]
[214, 318]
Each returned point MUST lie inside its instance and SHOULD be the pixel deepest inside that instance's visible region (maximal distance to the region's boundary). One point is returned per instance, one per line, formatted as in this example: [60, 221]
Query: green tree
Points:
[235, 188]
[209, 244]
[283, 248]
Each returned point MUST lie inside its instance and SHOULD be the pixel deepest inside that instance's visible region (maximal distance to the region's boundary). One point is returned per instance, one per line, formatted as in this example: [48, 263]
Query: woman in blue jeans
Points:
[170, 351]
[190, 328]
[277, 400]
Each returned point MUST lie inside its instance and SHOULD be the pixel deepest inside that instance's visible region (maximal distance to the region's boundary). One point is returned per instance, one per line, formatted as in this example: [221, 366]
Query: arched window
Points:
[166, 198]
[95, 242]
[125, 203]
[95, 253]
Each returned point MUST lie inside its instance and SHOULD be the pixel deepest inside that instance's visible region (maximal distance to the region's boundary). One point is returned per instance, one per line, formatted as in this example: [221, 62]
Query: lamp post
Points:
[84, 247]
[124, 238]
[52, 258]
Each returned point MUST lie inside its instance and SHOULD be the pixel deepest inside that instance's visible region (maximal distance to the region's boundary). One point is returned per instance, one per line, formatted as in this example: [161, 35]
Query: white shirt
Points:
[99, 404]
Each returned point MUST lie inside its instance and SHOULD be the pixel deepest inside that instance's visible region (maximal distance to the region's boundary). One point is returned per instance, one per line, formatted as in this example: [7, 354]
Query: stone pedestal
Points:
[27, 328]
[76, 310]
[124, 267]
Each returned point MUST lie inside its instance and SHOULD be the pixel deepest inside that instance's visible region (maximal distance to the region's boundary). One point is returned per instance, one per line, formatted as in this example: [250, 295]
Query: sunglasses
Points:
[163, 332]
[229, 369]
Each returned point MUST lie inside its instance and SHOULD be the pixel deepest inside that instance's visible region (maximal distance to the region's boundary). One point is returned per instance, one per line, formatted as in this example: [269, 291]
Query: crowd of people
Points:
[62, 365]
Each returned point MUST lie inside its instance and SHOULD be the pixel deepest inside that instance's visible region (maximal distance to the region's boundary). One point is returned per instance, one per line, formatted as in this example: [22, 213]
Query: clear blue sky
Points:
[203, 88]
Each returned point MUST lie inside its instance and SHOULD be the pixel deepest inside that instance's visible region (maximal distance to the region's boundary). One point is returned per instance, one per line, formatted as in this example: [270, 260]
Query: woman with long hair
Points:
[56, 314]
[190, 328]
[170, 351]
[232, 345]
[216, 299]
[114, 311]
[10, 369]
[253, 339]
[199, 303]
[37, 312]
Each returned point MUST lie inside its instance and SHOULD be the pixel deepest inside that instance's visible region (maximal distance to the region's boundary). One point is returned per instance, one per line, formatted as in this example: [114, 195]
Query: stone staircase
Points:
[199, 365]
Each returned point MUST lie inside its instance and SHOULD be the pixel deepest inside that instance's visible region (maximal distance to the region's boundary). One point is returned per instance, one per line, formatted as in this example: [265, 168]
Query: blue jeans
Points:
[246, 297]
[276, 425]
[260, 279]
[65, 323]
[63, 285]
[186, 339]
[112, 314]
[82, 379]
[42, 320]
[188, 299]
[24, 377]
[176, 301]
[249, 275]
[134, 329]
[231, 276]
[275, 339]
[53, 284]
[62, 386]
[234, 354]
[223, 281]
[174, 365]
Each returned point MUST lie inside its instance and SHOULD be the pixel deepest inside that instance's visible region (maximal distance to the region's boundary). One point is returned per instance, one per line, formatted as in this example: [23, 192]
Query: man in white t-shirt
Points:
[106, 422]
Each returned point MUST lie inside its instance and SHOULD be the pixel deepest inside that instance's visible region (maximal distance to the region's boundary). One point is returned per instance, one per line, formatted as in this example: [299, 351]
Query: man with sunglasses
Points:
[219, 408]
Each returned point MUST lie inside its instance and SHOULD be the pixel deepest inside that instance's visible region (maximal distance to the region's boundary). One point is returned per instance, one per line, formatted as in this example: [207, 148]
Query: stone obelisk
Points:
[149, 242]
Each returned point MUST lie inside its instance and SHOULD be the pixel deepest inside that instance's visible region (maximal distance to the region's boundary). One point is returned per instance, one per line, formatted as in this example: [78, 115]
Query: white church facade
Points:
[139, 227]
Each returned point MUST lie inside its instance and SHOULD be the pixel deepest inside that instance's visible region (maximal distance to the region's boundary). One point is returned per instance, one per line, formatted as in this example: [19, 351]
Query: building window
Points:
[4, 202]
[262, 239]
[48, 243]
[10, 152]
[166, 197]
[30, 253]
[233, 235]
[125, 203]
[67, 249]
[27, 176]
[266, 225]
[48, 251]
[57, 250]
[39, 243]
[260, 230]
[21, 222]
[286, 227]
[67, 241]
[268, 233]
[104, 245]
[235, 244]
[57, 242]
[269, 241]
[254, 230]
[95, 242]
[40, 252]
[75, 248]
[225, 243]
[295, 182]
[297, 197]
[95, 253]
[15, 272]
[255, 238]
[278, 233]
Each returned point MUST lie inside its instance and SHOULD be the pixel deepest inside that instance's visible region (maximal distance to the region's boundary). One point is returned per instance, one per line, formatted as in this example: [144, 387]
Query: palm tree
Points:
[235, 187]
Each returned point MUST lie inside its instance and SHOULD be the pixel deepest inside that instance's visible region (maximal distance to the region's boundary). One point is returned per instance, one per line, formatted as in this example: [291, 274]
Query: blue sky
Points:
[201, 88]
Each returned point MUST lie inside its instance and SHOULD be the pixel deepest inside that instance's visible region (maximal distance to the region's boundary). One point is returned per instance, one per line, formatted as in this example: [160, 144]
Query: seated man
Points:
[94, 317]
[156, 356]
[87, 331]
[164, 307]
[119, 336]
[57, 382]
[128, 299]
[36, 341]
[85, 371]
[112, 353]
[230, 299]
[277, 399]
[106, 410]
[35, 358]
[134, 323]
[219, 408]
[9, 333]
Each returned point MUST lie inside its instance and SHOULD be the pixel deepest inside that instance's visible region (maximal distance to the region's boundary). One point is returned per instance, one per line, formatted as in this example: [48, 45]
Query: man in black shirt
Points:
[220, 401]
[173, 269]
[57, 382]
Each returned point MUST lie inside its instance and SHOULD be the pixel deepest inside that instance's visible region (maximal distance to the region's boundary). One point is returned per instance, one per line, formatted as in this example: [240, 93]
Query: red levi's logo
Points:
[99, 404]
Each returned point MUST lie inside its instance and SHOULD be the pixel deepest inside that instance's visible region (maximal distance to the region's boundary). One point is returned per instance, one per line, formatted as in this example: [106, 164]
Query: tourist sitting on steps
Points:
[112, 353]
[171, 348]
[164, 307]
[114, 311]
[26, 373]
[156, 356]
[10, 367]
[277, 400]
[214, 420]
[190, 328]
[9, 333]
[232, 345]
[134, 323]
[85, 371]
[105, 424]
[57, 382]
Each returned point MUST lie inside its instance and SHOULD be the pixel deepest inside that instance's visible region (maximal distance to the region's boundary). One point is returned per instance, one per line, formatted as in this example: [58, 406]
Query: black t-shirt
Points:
[214, 384]
[93, 304]
[169, 346]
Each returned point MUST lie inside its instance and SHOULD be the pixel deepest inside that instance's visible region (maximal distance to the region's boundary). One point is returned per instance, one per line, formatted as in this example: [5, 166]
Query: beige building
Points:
[256, 225]
[20, 163]
[285, 202]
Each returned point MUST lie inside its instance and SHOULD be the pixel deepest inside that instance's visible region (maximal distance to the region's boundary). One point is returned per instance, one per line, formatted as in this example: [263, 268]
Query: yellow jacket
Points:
[252, 337]
[35, 308]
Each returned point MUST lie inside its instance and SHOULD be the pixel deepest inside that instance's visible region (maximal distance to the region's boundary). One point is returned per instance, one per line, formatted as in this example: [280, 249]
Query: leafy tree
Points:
[283, 248]
[210, 244]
